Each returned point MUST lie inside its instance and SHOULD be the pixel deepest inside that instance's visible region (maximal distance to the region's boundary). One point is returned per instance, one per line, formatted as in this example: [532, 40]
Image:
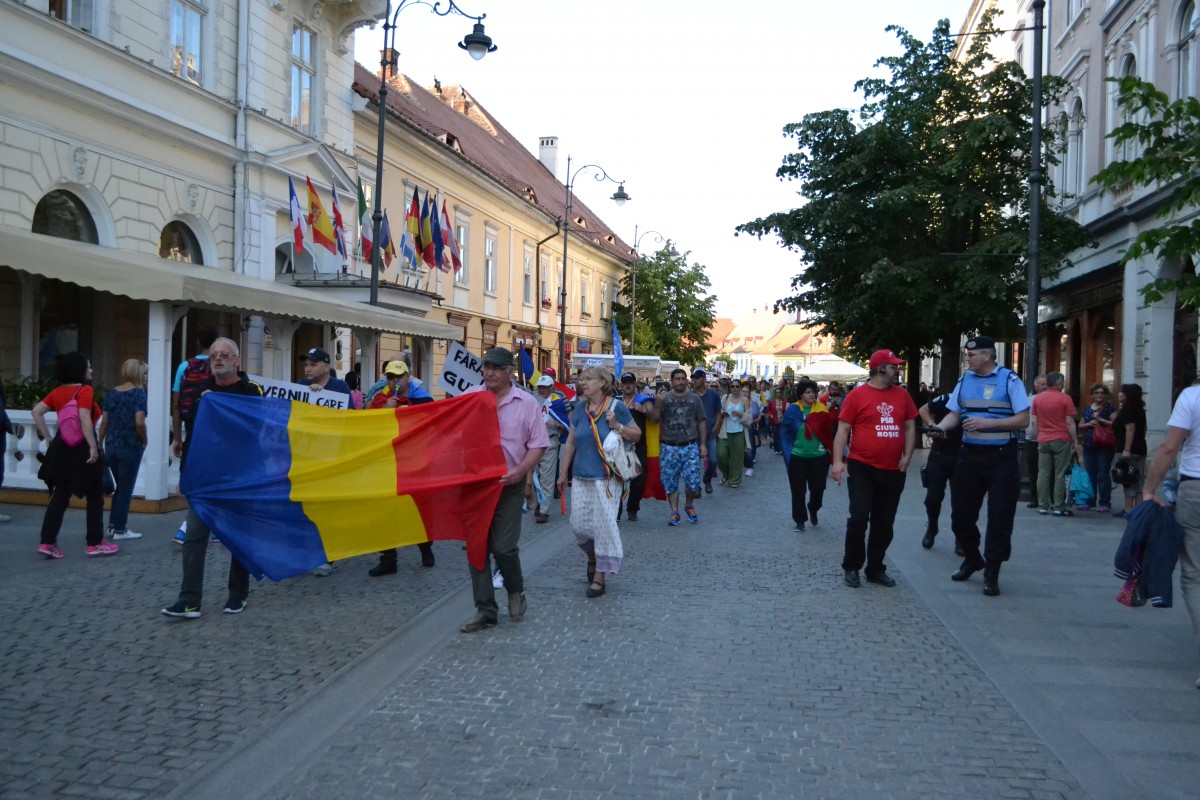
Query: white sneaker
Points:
[323, 571]
[125, 534]
[497, 581]
[5, 518]
[749, 473]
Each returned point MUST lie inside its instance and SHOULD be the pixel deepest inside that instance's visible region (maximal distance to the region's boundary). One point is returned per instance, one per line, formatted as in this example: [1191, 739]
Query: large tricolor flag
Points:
[365, 224]
[427, 245]
[409, 249]
[387, 249]
[439, 245]
[297, 217]
[653, 487]
[288, 486]
[450, 244]
[318, 220]
[529, 371]
[339, 228]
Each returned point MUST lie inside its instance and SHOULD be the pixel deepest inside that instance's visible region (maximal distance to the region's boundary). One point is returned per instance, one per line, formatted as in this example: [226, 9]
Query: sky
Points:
[684, 102]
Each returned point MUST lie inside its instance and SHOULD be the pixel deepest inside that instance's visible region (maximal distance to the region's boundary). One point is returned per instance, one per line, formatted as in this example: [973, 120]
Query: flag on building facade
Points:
[339, 228]
[450, 249]
[439, 245]
[409, 251]
[366, 225]
[297, 218]
[427, 248]
[387, 250]
[319, 222]
[312, 485]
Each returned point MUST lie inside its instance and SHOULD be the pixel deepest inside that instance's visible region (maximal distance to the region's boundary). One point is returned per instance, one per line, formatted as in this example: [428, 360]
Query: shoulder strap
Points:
[596, 435]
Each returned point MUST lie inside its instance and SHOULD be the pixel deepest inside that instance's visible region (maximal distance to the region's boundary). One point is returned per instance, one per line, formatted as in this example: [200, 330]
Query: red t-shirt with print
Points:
[876, 418]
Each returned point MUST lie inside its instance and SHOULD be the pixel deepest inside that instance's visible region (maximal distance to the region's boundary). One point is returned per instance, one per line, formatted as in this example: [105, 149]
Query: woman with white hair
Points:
[596, 490]
[123, 439]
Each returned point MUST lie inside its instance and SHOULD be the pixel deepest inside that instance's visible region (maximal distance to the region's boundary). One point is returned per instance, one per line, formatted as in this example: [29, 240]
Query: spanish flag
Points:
[288, 486]
[318, 220]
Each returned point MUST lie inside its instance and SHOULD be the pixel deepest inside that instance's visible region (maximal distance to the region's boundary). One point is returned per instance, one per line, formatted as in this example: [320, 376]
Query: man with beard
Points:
[683, 442]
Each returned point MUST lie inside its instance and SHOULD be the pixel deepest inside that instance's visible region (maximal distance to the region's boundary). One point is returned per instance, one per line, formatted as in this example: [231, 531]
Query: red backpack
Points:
[195, 377]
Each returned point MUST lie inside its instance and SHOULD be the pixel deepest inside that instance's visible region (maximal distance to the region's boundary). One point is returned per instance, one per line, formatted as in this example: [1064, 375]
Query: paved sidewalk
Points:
[727, 660]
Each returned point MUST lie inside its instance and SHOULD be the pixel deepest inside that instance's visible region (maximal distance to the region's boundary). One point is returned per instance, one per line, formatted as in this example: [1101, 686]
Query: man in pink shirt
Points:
[1054, 427]
[523, 439]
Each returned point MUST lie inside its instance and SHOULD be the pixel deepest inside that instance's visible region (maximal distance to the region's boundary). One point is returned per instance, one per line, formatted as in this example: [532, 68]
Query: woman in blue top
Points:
[123, 438]
[595, 488]
[1097, 454]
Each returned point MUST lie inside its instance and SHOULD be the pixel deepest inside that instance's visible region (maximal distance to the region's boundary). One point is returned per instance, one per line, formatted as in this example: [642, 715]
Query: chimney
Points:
[391, 57]
[548, 153]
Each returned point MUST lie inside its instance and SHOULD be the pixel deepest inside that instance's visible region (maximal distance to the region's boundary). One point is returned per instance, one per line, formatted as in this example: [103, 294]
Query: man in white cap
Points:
[547, 466]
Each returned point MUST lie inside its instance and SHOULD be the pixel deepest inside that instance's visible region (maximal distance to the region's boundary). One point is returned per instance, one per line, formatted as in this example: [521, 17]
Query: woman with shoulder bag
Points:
[72, 465]
[1129, 426]
[595, 487]
[1099, 444]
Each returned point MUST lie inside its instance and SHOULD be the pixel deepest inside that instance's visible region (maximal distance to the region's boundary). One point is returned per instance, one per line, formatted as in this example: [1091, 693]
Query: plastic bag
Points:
[1080, 485]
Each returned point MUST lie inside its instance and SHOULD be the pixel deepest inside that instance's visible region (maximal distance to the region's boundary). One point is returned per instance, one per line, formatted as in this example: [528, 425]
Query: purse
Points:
[70, 427]
[1103, 438]
[1131, 593]
[619, 455]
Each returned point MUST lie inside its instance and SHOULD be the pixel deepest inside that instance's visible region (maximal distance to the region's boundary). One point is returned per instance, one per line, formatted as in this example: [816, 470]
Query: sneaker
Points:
[182, 610]
[234, 606]
[323, 571]
[708, 486]
[51, 551]
[497, 580]
[180, 534]
[1119, 513]
[749, 473]
[800, 526]
[1065, 513]
[1104, 509]
[692, 516]
[632, 516]
[103, 549]
[674, 518]
[125, 534]
[1043, 511]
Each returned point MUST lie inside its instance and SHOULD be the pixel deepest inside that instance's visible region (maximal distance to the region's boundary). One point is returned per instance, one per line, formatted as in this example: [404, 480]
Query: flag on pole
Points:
[387, 251]
[439, 243]
[402, 476]
[529, 372]
[365, 223]
[427, 249]
[318, 220]
[408, 240]
[449, 244]
[339, 228]
[297, 218]
[618, 355]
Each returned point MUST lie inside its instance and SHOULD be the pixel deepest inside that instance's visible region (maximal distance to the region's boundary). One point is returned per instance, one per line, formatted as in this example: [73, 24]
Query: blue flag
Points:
[618, 356]
[529, 373]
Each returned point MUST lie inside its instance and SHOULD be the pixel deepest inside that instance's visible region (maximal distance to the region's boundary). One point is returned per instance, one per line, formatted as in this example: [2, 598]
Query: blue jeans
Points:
[124, 468]
[1098, 463]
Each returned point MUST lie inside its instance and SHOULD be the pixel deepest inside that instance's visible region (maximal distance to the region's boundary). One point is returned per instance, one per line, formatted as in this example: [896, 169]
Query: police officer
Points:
[991, 406]
[939, 467]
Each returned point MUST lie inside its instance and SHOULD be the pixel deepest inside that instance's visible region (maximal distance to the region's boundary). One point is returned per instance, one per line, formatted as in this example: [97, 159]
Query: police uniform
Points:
[939, 467]
[987, 465]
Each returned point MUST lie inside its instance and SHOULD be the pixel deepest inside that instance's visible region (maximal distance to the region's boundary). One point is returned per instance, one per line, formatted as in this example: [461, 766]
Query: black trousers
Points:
[637, 488]
[874, 498]
[807, 475]
[1031, 464]
[939, 472]
[991, 472]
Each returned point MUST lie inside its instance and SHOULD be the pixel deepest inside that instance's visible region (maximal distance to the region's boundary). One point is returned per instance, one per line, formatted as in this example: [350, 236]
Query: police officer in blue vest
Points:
[991, 405]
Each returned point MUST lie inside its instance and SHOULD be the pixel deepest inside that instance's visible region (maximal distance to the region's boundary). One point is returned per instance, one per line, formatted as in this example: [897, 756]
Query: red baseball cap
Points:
[550, 371]
[881, 357]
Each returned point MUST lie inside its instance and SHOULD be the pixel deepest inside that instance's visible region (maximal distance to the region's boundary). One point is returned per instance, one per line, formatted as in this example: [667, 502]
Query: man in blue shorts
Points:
[683, 441]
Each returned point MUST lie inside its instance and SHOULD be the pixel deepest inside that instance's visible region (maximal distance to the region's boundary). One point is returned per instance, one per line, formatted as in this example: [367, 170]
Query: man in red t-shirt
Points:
[1054, 427]
[878, 421]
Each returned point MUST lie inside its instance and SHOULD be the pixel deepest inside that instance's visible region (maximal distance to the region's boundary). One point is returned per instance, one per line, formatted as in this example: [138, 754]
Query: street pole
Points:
[637, 240]
[1036, 178]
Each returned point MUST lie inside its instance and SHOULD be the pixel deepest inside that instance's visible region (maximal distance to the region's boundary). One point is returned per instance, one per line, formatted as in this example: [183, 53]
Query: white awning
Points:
[142, 276]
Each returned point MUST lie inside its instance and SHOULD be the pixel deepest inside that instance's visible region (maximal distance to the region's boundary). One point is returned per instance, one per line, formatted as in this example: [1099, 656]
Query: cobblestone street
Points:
[726, 660]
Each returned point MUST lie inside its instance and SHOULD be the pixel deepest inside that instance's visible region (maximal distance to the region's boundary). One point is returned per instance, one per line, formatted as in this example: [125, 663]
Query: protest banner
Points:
[463, 370]
[293, 391]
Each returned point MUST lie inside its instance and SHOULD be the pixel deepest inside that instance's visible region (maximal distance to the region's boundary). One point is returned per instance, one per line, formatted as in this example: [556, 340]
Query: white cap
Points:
[545, 380]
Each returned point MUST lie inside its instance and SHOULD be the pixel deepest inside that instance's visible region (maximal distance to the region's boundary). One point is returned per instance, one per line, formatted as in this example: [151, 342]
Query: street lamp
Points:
[658, 237]
[477, 43]
[619, 196]
[1036, 178]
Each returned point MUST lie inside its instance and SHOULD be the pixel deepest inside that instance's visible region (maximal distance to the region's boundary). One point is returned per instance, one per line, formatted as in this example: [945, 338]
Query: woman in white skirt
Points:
[596, 489]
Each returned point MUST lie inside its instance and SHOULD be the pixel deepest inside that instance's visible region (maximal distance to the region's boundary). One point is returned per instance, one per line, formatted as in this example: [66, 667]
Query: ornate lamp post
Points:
[658, 237]
[477, 43]
[619, 196]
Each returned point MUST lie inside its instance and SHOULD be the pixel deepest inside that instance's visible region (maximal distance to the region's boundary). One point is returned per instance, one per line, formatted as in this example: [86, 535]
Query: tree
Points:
[674, 310]
[726, 359]
[914, 214]
[1168, 136]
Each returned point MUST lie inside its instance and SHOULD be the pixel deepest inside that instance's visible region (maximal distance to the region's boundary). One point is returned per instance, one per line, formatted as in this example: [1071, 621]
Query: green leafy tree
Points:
[1168, 137]
[674, 309]
[914, 215]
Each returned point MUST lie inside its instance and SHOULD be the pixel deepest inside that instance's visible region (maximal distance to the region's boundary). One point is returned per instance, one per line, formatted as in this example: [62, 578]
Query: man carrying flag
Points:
[365, 223]
[297, 221]
[318, 220]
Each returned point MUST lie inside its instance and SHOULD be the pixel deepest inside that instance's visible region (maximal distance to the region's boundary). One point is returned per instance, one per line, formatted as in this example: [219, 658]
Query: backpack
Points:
[195, 377]
[70, 426]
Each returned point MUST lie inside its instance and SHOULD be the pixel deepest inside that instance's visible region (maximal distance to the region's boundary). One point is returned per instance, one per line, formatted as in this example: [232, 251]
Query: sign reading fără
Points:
[463, 370]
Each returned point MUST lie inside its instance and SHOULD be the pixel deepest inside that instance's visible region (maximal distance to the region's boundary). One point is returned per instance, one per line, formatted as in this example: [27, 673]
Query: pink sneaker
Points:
[50, 551]
[103, 549]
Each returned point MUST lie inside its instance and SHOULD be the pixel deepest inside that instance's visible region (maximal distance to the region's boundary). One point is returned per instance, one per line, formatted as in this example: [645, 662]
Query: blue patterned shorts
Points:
[674, 462]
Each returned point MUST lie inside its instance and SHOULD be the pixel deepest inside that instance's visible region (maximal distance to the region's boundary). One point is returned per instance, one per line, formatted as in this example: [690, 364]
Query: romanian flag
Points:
[427, 246]
[318, 220]
[387, 250]
[529, 372]
[288, 486]
[439, 243]
[654, 487]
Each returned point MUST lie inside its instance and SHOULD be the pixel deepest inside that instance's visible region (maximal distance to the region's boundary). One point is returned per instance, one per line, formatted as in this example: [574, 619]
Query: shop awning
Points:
[142, 276]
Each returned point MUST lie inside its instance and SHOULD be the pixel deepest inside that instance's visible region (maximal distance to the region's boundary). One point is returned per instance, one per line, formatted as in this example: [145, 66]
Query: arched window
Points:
[1126, 150]
[1074, 182]
[1189, 22]
[60, 213]
[178, 243]
[288, 262]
